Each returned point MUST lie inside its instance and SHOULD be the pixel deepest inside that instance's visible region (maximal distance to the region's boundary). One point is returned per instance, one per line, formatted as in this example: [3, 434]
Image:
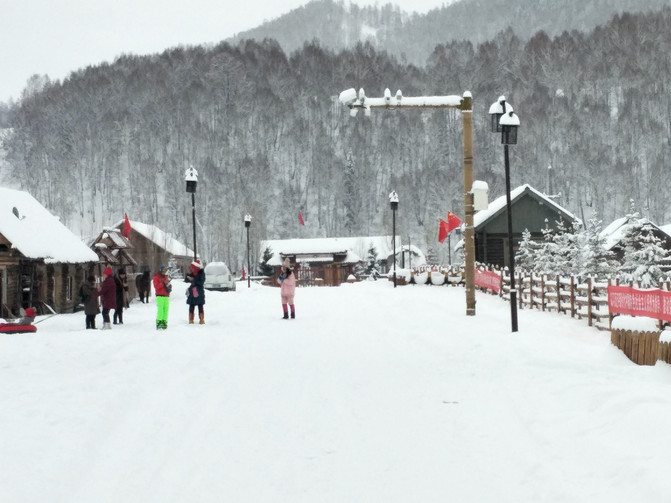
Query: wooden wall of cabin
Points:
[149, 256]
[10, 290]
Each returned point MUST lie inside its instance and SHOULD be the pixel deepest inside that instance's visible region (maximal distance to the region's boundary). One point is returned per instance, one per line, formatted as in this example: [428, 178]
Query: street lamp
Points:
[355, 101]
[506, 122]
[191, 177]
[248, 222]
[393, 203]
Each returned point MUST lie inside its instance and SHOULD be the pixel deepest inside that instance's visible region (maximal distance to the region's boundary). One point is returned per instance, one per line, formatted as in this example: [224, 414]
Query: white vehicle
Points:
[218, 277]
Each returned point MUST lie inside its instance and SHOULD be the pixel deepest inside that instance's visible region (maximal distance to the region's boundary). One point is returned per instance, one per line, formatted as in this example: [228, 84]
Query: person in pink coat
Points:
[287, 281]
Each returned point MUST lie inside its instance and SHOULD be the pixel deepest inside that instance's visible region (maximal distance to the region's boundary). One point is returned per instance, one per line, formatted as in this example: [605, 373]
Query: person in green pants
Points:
[162, 289]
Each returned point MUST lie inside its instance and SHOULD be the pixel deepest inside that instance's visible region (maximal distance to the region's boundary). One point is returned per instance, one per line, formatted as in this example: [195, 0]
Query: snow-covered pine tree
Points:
[264, 268]
[568, 251]
[525, 258]
[597, 261]
[372, 265]
[547, 253]
[643, 255]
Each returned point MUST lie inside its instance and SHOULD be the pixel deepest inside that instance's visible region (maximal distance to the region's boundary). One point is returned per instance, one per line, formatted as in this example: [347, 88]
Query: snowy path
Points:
[372, 394]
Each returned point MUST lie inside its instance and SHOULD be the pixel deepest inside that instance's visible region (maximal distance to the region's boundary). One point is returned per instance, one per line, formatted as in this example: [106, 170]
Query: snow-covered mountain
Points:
[340, 25]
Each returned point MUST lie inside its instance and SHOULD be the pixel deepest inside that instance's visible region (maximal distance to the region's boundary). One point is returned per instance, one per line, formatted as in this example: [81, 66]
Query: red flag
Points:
[442, 231]
[126, 226]
[243, 272]
[300, 218]
[453, 222]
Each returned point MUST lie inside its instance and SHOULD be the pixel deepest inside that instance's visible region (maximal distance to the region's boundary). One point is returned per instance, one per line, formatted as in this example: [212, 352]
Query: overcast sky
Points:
[55, 37]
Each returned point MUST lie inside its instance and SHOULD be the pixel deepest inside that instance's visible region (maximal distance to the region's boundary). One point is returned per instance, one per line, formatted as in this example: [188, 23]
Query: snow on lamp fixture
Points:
[510, 123]
[498, 108]
[191, 178]
[393, 200]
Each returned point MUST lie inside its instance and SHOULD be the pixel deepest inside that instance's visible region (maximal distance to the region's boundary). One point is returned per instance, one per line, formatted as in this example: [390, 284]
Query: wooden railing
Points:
[577, 298]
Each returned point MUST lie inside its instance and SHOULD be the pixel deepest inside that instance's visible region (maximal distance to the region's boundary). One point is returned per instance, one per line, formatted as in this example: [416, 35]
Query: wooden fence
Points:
[586, 299]
[589, 299]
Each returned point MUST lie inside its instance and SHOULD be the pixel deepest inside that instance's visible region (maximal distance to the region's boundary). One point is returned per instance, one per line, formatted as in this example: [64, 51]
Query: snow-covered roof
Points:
[159, 237]
[354, 247]
[499, 204]
[615, 232]
[37, 233]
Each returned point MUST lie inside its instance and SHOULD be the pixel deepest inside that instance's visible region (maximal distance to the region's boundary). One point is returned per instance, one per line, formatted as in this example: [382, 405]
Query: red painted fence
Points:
[488, 279]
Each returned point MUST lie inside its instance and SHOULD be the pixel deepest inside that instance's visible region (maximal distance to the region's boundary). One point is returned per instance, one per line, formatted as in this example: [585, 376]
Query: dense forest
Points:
[338, 24]
[268, 136]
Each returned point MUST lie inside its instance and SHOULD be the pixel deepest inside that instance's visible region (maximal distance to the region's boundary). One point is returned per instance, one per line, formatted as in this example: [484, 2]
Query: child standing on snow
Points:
[162, 289]
[287, 281]
[196, 292]
[90, 298]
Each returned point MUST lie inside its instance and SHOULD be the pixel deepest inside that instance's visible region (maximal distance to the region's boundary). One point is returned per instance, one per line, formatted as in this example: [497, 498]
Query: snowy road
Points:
[372, 394]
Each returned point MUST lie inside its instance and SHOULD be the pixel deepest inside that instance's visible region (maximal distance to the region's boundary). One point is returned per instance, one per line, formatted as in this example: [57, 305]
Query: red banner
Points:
[488, 279]
[650, 303]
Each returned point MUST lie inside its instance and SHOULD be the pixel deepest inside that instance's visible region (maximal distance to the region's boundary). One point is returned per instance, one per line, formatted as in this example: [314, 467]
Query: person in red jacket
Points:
[162, 289]
[107, 294]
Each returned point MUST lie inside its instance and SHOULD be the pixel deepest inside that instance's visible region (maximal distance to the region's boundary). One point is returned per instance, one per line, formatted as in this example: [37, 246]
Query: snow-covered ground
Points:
[373, 394]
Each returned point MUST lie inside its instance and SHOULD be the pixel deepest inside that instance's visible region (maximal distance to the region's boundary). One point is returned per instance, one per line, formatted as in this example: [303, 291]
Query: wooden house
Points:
[614, 236]
[42, 263]
[531, 210]
[328, 261]
[152, 247]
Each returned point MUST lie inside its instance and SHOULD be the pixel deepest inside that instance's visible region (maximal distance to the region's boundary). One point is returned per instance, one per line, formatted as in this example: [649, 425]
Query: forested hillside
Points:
[268, 136]
[412, 37]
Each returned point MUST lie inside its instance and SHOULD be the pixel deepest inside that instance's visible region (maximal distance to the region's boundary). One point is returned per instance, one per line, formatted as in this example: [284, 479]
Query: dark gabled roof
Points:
[498, 206]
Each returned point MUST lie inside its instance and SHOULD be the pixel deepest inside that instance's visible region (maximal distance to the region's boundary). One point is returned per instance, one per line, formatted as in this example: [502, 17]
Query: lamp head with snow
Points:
[248, 220]
[510, 123]
[498, 108]
[393, 200]
[191, 178]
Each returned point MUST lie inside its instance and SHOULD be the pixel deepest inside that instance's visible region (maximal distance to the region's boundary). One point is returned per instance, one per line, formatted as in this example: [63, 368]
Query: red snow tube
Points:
[8, 328]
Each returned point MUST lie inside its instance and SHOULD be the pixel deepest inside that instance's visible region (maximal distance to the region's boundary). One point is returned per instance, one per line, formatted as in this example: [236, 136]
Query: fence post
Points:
[610, 315]
[558, 289]
[520, 281]
[543, 276]
[572, 297]
[531, 290]
[589, 301]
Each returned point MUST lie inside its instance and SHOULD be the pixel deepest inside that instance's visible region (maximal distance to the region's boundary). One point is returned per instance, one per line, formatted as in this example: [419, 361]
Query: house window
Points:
[68, 288]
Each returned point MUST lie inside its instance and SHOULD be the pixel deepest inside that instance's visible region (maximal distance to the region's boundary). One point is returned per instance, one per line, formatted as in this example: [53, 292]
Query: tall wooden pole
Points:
[469, 233]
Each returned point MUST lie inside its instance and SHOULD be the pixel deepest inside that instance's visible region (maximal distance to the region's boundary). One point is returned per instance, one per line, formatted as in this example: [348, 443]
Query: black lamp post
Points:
[506, 122]
[248, 222]
[393, 203]
[191, 177]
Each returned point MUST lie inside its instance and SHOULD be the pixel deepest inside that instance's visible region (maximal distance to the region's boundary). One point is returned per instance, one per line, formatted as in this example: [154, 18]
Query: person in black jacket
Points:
[121, 288]
[90, 294]
[196, 292]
